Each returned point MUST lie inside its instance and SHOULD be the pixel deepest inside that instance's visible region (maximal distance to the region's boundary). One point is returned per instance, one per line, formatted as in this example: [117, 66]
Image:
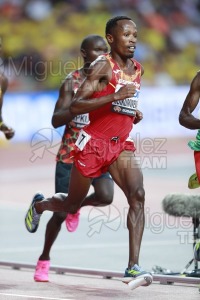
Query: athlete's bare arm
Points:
[62, 115]
[138, 117]
[8, 131]
[186, 118]
[3, 88]
[142, 70]
[98, 77]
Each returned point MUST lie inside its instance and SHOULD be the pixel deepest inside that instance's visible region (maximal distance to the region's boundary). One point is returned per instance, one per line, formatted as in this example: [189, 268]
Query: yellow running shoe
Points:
[193, 182]
[32, 218]
[197, 251]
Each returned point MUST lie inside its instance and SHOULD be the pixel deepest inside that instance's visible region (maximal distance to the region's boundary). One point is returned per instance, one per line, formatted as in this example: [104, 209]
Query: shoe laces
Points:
[136, 268]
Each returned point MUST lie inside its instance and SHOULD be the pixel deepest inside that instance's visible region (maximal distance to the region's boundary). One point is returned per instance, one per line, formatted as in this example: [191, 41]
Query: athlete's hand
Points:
[138, 116]
[71, 124]
[126, 91]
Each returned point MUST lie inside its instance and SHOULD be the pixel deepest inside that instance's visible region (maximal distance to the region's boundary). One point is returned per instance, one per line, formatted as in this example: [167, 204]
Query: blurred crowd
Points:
[40, 38]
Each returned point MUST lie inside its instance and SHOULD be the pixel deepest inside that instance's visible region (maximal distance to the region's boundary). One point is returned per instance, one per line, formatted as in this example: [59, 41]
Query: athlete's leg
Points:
[62, 177]
[61, 202]
[102, 196]
[103, 191]
[127, 174]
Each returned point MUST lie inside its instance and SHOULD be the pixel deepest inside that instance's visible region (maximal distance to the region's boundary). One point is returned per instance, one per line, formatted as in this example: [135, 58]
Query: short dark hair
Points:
[113, 22]
[86, 41]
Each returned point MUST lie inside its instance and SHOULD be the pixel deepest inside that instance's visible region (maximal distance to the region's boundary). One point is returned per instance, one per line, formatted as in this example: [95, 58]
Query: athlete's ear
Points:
[83, 53]
[109, 38]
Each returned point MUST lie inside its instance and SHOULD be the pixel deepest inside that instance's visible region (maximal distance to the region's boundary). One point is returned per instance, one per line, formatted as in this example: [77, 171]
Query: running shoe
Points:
[136, 272]
[32, 218]
[193, 182]
[72, 221]
[197, 251]
[42, 271]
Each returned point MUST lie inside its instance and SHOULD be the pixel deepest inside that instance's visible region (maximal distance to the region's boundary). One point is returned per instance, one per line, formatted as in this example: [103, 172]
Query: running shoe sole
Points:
[29, 215]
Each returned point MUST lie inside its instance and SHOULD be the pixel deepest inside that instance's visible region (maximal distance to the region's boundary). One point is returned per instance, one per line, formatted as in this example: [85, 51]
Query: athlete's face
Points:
[95, 48]
[123, 38]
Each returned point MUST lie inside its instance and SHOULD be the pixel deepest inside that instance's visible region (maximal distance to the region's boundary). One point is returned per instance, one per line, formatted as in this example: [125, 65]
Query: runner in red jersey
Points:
[111, 99]
[110, 125]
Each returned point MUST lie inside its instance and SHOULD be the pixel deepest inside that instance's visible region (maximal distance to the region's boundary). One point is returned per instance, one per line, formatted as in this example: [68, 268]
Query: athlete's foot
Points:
[32, 218]
[8, 131]
[136, 277]
[42, 271]
[72, 221]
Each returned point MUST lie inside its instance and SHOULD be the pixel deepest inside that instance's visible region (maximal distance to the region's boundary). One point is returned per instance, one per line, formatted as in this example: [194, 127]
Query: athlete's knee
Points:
[137, 197]
[140, 194]
[107, 199]
[60, 196]
[104, 198]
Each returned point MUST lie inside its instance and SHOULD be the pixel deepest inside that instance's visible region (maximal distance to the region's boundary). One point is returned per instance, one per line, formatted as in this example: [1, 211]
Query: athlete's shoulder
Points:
[76, 74]
[197, 76]
[196, 79]
[138, 65]
[100, 67]
[101, 59]
[195, 83]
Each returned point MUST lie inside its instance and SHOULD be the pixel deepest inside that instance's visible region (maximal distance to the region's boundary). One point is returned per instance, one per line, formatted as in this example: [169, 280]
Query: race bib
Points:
[81, 120]
[82, 139]
[126, 106]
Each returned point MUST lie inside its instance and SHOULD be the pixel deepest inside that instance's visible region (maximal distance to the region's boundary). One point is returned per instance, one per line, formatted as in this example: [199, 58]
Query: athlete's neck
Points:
[123, 63]
[86, 68]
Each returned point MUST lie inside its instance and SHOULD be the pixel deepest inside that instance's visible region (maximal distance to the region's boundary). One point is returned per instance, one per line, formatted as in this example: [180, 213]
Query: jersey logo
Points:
[116, 71]
[117, 108]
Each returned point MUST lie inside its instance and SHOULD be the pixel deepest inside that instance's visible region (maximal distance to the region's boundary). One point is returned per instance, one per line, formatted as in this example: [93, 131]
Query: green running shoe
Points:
[136, 272]
[32, 218]
[197, 251]
[193, 182]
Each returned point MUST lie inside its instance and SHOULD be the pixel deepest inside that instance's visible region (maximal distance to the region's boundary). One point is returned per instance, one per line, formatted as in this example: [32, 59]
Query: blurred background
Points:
[40, 46]
[40, 36]
[41, 41]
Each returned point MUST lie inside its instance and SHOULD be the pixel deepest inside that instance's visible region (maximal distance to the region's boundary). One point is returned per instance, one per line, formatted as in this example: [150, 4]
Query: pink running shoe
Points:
[72, 221]
[42, 271]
